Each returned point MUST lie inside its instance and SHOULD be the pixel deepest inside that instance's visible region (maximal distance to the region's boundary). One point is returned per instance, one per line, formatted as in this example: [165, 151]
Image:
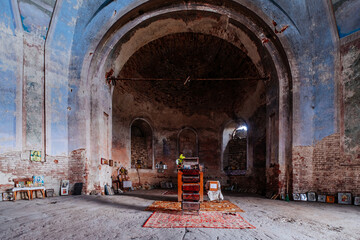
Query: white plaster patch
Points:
[326, 74]
[72, 22]
[4, 28]
[8, 56]
[349, 94]
[78, 4]
[4, 177]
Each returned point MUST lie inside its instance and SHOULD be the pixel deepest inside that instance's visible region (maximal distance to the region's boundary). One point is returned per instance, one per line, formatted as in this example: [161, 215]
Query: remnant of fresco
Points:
[347, 14]
[36, 15]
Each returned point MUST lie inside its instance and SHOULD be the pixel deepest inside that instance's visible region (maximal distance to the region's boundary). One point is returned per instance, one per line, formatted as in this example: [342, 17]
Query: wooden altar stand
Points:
[190, 185]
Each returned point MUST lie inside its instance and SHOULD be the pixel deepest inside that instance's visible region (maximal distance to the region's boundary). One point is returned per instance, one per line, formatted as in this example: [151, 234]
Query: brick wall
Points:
[139, 151]
[78, 170]
[323, 168]
[237, 157]
[15, 165]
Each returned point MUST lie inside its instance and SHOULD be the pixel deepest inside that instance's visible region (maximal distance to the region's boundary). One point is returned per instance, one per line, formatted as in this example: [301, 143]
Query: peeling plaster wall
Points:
[34, 87]
[10, 75]
[350, 59]
[332, 164]
[36, 54]
[167, 122]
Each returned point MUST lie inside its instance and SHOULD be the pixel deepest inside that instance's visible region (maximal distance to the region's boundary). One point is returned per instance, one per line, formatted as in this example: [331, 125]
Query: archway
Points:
[188, 142]
[141, 145]
[235, 148]
[243, 29]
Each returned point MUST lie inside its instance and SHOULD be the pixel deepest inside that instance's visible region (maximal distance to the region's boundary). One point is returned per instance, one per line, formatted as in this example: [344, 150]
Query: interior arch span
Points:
[242, 31]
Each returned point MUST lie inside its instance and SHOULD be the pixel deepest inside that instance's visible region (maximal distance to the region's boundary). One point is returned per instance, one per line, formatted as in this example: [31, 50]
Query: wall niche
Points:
[141, 145]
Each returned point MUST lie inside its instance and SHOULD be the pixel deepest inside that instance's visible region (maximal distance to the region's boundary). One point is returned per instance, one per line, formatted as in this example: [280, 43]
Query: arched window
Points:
[234, 149]
[188, 142]
[141, 145]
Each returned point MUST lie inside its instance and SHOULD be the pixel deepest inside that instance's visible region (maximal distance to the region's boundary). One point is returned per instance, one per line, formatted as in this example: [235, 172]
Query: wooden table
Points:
[29, 191]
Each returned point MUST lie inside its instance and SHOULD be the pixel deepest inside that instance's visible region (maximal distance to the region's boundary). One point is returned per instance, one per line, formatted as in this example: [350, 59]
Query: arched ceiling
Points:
[194, 55]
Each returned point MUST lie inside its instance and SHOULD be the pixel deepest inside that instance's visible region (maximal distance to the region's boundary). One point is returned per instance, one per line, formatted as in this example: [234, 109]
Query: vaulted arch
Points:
[232, 23]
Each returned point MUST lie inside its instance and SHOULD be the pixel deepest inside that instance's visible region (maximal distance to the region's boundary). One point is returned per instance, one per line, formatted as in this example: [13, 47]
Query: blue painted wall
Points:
[317, 87]
[76, 27]
[8, 69]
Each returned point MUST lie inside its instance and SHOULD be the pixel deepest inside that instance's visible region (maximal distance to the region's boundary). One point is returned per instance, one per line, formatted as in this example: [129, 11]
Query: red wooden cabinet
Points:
[190, 185]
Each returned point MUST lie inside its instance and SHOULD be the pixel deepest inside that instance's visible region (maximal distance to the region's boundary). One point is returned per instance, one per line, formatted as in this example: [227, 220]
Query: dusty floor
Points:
[122, 217]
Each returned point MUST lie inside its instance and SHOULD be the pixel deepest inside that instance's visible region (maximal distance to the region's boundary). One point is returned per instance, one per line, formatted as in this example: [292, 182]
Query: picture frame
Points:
[213, 186]
[64, 189]
[357, 201]
[38, 181]
[108, 190]
[35, 156]
[111, 163]
[344, 198]
[49, 192]
[321, 198]
[330, 199]
[296, 196]
[311, 196]
[303, 197]
[5, 196]
[104, 161]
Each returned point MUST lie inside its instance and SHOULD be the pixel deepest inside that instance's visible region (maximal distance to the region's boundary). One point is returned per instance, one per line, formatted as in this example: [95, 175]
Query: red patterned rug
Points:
[222, 206]
[203, 220]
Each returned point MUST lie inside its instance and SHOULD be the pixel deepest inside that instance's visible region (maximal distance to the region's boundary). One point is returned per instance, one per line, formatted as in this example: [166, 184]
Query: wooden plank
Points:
[201, 187]
[191, 172]
[180, 186]
[191, 197]
[189, 187]
[190, 206]
[191, 179]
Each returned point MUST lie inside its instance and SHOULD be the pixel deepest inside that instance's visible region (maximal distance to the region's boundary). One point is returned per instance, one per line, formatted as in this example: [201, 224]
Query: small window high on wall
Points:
[234, 148]
[141, 145]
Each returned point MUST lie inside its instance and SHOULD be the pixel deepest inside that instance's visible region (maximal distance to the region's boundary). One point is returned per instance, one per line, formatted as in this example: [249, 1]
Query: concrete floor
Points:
[122, 217]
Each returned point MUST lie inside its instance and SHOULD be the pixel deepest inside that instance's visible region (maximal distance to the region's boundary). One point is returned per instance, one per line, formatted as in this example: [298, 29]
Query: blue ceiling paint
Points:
[281, 9]
[105, 4]
[34, 19]
[7, 15]
[347, 15]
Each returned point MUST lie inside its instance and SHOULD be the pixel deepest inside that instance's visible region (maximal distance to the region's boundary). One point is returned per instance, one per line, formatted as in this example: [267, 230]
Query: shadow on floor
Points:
[111, 203]
[151, 196]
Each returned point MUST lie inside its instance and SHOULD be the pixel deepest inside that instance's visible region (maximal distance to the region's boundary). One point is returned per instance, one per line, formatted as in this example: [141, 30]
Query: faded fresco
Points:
[347, 14]
[35, 15]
